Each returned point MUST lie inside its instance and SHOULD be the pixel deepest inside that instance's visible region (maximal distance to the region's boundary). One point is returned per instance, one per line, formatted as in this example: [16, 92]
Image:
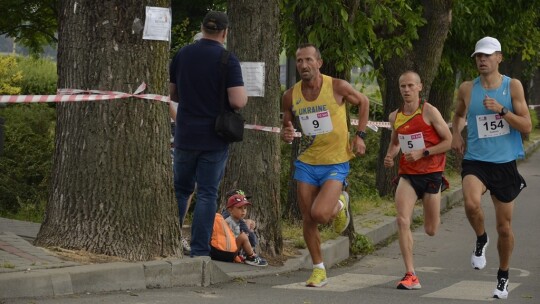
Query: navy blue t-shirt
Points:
[196, 71]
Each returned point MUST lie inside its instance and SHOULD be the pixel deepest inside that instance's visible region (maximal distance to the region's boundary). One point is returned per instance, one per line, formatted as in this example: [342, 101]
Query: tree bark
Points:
[442, 93]
[534, 95]
[291, 208]
[111, 189]
[254, 164]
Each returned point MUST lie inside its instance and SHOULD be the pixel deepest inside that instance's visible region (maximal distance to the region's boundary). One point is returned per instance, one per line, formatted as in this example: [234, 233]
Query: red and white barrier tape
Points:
[374, 125]
[378, 124]
[74, 95]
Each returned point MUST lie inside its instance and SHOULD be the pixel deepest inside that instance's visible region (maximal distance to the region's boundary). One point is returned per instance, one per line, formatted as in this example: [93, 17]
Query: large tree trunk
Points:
[515, 67]
[442, 97]
[254, 164]
[291, 208]
[424, 58]
[111, 189]
[534, 95]
[442, 93]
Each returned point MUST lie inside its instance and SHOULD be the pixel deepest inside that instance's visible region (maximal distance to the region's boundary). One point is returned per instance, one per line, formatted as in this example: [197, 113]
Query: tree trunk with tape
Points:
[111, 188]
[254, 163]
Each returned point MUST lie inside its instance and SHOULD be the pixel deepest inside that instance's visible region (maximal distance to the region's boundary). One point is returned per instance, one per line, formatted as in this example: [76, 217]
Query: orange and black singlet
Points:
[412, 124]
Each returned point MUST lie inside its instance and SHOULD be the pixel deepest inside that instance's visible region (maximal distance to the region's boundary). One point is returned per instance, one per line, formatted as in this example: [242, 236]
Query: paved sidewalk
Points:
[29, 271]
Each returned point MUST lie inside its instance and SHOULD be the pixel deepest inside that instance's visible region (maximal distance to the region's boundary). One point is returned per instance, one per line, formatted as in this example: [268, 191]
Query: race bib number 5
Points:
[491, 125]
[316, 123]
[411, 142]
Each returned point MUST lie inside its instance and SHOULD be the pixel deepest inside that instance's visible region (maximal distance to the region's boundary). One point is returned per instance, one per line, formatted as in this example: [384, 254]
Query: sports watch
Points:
[425, 153]
[361, 134]
[504, 111]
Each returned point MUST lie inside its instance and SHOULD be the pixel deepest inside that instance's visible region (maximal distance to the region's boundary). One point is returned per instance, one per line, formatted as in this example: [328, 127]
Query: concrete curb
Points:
[118, 276]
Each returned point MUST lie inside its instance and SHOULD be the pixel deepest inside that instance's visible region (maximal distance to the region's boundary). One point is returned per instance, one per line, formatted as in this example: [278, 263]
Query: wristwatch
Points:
[504, 111]
[361, 134]
[425, 153]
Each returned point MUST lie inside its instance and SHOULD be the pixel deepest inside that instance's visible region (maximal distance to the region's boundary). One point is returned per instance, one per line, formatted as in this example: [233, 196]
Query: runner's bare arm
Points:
[344, 92]
[287, 131]
[520, 118]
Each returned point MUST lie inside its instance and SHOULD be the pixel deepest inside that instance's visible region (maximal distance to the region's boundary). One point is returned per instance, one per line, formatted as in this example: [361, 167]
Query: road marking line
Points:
[345, 282]
[469, 290]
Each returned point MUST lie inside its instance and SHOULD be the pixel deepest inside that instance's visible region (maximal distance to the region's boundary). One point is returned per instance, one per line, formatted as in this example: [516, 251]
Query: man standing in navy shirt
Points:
[200, 154]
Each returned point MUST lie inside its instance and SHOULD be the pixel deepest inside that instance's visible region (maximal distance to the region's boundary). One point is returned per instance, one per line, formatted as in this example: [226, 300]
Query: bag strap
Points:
[223, 63]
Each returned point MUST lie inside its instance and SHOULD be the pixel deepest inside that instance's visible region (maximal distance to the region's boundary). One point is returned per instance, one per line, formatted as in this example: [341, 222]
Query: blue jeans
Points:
[206, 169]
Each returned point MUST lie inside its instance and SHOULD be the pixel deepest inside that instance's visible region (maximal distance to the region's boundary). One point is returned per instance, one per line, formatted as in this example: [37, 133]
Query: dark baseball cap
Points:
[215, 20]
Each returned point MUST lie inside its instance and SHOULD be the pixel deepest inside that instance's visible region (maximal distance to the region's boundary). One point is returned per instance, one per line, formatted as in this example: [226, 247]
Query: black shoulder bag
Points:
[229, 125]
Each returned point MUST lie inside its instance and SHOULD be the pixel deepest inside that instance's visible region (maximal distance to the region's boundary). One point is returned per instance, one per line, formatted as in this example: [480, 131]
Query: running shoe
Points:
[255, 260]
[478, 257]
[317, 278]
[342, 218]
[409, 281]
[501, 292]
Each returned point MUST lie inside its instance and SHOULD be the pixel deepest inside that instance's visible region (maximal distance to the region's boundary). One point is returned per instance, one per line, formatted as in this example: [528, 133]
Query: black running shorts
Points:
[426, 183]
[502, 180]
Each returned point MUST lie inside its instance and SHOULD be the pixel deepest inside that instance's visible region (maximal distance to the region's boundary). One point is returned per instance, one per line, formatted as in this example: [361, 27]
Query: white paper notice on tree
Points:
[253, 74]
[157, 25]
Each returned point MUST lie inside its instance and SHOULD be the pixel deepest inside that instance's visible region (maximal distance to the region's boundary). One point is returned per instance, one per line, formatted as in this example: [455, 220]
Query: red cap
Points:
[237, 200]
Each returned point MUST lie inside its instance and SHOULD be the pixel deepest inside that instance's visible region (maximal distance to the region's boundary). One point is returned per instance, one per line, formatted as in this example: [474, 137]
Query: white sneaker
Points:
[501, 291]
[185, 245]
[478, 257]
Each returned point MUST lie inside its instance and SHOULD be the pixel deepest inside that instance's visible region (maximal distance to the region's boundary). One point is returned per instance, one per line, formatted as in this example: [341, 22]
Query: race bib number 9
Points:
[411, 142]
[491, 125]
[316, 123]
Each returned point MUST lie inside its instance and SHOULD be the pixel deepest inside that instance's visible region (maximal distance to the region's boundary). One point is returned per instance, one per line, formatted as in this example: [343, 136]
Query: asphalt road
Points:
[442, 264]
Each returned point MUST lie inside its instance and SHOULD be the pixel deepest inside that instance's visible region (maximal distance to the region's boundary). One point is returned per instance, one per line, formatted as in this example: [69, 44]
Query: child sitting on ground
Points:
[236, 208]
[246, 225]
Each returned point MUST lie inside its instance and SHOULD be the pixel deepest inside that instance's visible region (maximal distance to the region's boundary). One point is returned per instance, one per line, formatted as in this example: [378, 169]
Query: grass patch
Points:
[362, 245]
[292, 232]
[533, 136]
[6, 264]
[27, 211]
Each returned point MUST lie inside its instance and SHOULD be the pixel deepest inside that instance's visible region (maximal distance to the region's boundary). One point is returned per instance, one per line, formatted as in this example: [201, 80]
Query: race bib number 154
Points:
[491, 125]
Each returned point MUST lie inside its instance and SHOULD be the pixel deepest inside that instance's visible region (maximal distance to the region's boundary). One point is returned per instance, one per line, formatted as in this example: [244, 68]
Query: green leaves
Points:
[32, 23]
[10, 76]
[25, 162]
[346, 31]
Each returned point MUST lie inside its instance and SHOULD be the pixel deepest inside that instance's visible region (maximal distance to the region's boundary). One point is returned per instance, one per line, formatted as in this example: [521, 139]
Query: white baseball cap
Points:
[487, 45]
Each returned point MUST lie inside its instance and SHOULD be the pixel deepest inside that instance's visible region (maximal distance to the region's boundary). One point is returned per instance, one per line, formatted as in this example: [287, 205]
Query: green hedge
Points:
[26, 159]
[39, 76]
[25, 163]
